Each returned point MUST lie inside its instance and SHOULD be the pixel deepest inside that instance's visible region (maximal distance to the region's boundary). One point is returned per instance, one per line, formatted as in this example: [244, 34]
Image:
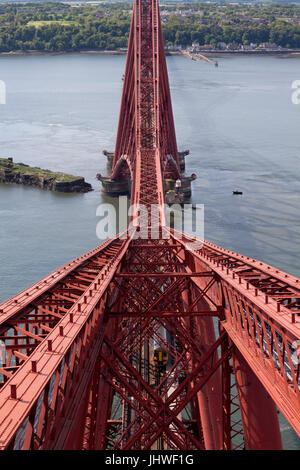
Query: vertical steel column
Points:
[259, 414]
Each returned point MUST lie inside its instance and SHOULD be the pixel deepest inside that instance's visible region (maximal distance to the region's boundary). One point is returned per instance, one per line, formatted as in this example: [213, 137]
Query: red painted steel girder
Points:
[146, 118]
[265, 334]
[270, 360]
[77, 341]
[58, 364]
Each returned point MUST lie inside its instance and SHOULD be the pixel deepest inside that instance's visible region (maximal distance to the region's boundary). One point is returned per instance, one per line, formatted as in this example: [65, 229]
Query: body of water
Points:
[238, 121]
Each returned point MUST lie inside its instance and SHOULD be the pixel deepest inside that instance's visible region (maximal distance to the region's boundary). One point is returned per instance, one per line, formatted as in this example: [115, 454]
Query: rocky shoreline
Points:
[286, 53]
[19, 173]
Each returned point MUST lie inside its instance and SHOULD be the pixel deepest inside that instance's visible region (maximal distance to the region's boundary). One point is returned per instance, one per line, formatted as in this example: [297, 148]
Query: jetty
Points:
[198, 56]
[122, 186]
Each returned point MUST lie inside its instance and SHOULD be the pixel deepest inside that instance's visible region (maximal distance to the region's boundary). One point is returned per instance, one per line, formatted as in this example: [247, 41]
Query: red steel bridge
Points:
[78, 371]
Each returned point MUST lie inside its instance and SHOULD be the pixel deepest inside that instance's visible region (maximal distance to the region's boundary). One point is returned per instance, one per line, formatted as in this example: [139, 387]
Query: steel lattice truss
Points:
[78, 372]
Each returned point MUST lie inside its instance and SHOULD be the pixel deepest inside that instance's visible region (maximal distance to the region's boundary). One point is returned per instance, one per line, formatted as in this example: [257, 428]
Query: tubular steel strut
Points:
[78, 371]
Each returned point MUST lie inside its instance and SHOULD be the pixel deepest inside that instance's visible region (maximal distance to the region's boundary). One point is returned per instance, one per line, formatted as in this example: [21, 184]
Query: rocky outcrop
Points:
[20, 173]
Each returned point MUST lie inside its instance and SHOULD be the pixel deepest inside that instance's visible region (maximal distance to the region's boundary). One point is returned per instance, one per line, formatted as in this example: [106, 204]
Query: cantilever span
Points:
[79, 370]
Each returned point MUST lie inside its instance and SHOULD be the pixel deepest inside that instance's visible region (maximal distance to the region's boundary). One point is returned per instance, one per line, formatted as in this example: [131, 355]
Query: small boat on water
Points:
[237, 192]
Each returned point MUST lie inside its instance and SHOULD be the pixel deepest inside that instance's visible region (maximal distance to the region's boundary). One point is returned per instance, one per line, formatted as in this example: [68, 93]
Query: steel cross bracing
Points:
[78, 371]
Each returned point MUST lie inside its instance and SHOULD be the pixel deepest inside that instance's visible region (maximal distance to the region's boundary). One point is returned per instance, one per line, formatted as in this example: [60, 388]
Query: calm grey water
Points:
[238, 121]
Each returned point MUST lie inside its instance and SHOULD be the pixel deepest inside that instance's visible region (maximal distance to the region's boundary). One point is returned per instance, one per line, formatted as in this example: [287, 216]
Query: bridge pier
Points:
[119, 187]
[186, 188]
[110, 158]
[115, 188]
[182, 156]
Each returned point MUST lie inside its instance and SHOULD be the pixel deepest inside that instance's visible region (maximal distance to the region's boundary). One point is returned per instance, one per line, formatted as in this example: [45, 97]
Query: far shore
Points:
[30, 53]
[215, 53]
